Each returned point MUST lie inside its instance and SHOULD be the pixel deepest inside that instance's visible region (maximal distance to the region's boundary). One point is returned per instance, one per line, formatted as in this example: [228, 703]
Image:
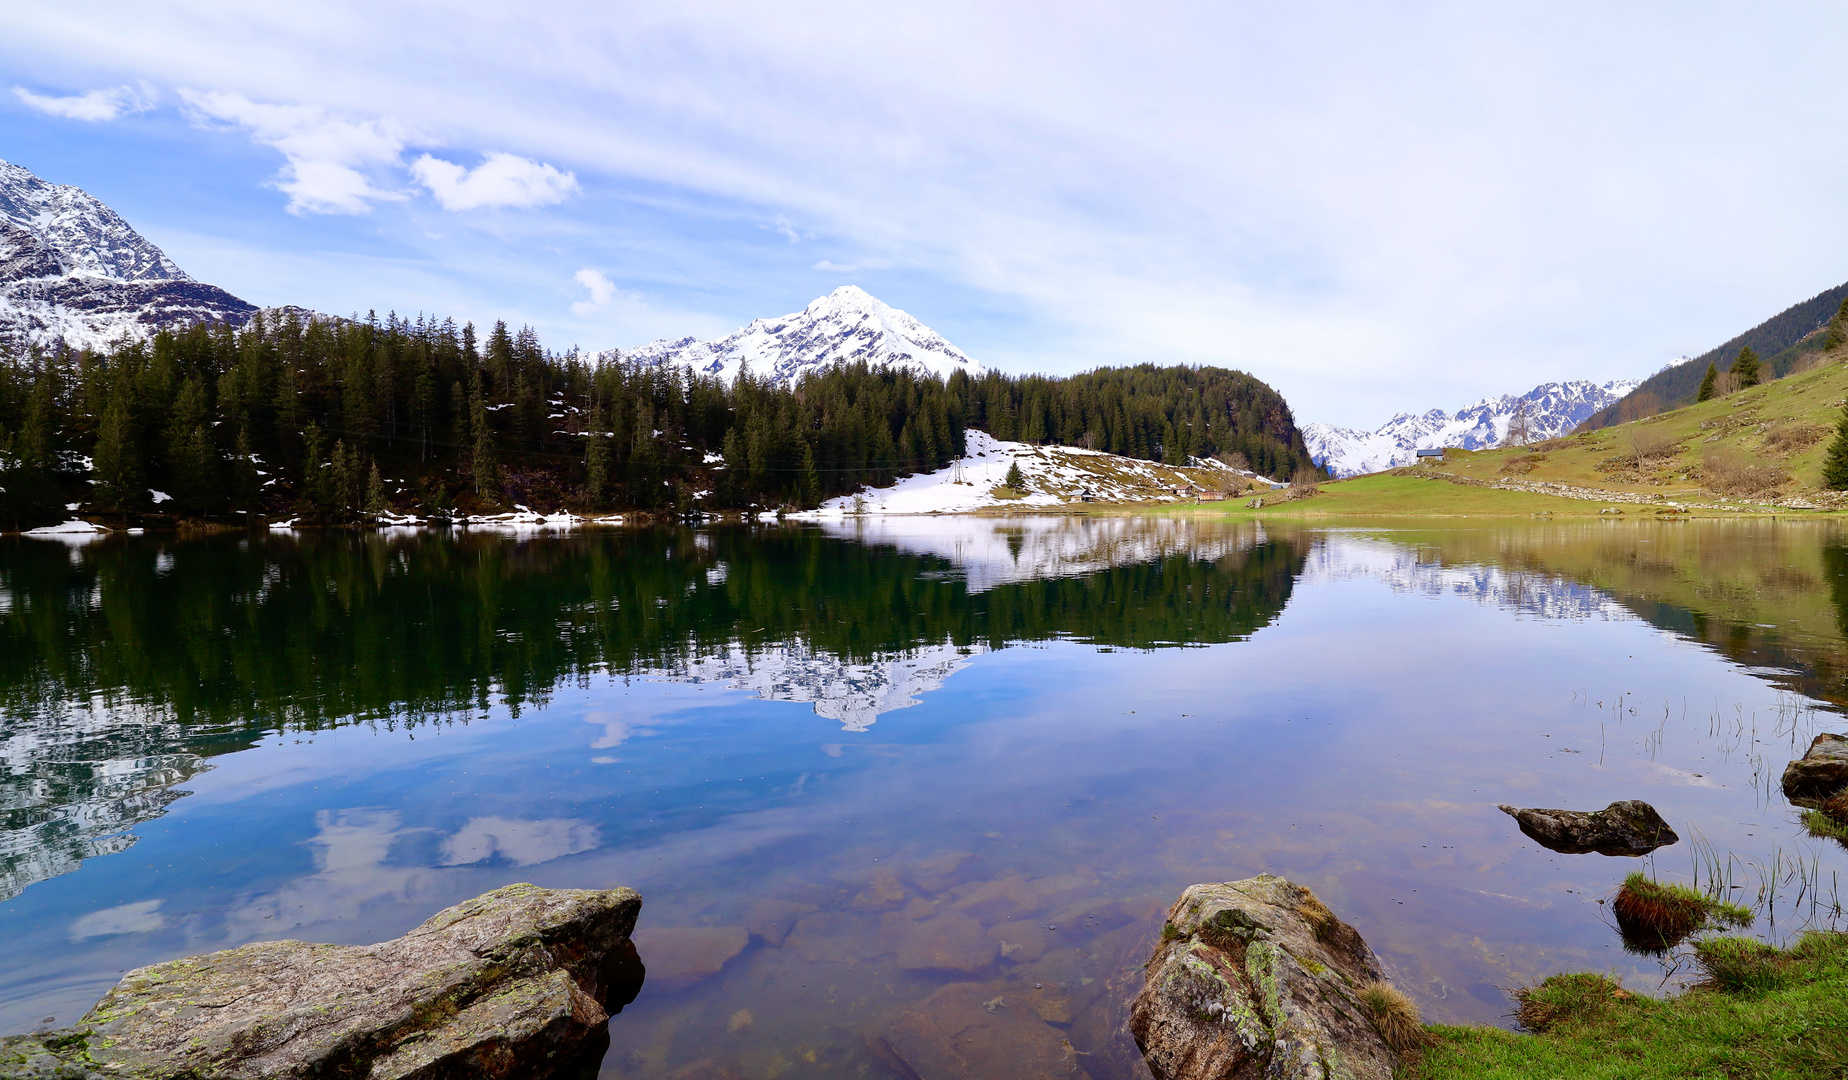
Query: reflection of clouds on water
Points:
[523, 843]
[137, 918]
[351, 849]
[1549, 596]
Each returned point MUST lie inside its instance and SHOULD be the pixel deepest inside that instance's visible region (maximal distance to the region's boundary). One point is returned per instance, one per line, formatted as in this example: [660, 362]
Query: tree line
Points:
[334, 420]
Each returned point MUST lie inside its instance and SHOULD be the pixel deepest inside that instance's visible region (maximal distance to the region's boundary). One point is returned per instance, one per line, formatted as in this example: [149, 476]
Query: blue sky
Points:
[1373, 207]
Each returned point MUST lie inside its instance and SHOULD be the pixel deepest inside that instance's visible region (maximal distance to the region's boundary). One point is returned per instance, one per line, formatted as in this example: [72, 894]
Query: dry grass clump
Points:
[1788, 436]
[1728, 472]
[1654, 916]
[1395, 1015]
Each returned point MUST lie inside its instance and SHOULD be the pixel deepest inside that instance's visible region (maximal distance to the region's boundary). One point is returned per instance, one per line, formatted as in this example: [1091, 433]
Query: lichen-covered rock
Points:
[1257, 978]
[518, 981]
[1625, 827]
[1813, 778]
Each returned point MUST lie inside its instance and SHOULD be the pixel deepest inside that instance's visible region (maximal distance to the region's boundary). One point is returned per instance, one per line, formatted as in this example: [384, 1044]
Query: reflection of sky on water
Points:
[1358, 743]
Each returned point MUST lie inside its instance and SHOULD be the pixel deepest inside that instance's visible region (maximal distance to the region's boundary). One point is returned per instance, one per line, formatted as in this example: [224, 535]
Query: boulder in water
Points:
[1816, 776]
[1625, 827]
[1257, 978]
[518, 981]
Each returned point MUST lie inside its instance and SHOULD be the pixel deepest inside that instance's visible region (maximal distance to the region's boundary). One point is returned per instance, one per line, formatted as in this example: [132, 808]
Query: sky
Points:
[1372, 207]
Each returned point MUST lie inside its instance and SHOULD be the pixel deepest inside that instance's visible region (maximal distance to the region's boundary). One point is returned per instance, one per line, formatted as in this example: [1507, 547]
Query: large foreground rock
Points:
[518, 982]
[1812, 778]
[1625, 827]
[1257, 978]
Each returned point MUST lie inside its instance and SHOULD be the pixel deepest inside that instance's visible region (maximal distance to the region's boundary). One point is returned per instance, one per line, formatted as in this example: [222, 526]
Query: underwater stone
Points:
[518, 981]
[1817, 775]
[1625, 827]
[1257, 978]
[967, 1031]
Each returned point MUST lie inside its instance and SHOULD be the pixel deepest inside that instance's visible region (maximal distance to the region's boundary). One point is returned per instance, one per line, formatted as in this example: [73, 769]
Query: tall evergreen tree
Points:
[116, 463]
[1835, 461]
[1706, 383]
[1746, 367]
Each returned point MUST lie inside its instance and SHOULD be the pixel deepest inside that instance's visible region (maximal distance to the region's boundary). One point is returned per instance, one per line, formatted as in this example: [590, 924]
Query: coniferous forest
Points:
[335, 420]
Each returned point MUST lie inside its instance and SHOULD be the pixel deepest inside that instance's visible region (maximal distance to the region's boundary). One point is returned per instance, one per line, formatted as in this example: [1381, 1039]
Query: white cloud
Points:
[602, 291]
[852, 267]
[330, 161]
[524, 843]
[93, 106]
[501, 180]
[137, 918]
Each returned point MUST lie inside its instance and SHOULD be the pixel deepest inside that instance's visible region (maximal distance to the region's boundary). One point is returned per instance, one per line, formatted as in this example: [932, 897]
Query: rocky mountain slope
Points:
[845, 326]
[1551, 409]
[72, 270]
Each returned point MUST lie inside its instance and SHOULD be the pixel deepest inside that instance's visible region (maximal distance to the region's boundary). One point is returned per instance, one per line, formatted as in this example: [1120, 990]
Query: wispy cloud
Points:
[602, 291]
[330, 162]
[94, 106]
[136, 918]
[501, 180]
[852, 267]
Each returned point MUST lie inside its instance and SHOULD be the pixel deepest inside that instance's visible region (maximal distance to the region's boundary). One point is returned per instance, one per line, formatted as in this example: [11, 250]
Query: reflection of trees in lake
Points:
[127, 663]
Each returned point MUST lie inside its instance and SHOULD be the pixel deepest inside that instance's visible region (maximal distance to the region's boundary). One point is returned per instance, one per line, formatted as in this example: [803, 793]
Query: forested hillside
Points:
[1780, 342]
[337, 420]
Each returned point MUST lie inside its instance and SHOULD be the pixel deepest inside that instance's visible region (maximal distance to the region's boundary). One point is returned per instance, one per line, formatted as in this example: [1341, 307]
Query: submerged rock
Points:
[1257, 978]
[519, 981]
[965, 1031]
[1813, 778]
[1625, 827]
[679, 956]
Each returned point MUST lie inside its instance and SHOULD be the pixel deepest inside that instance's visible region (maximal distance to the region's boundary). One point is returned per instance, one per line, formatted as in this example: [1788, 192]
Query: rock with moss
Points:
[1625, 827]
[1813, 778]
[1257, 978]
[518, 981]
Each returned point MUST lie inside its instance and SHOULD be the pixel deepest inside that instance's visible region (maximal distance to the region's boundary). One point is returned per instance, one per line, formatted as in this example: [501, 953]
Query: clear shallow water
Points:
[838, 737]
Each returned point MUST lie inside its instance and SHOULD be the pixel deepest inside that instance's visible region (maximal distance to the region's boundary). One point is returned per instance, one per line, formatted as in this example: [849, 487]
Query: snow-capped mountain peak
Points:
[93, 239]
[72, 271]
[1551, 410]
[846, 326]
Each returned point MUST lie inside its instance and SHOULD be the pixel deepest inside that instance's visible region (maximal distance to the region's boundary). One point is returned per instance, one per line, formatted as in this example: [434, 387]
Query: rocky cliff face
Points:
[72, 270]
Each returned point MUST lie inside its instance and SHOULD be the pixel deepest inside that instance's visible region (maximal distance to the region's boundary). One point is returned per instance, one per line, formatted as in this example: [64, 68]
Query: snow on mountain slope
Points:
[1055, 476]
[845, 326]
[1552, 409]
[72, 270]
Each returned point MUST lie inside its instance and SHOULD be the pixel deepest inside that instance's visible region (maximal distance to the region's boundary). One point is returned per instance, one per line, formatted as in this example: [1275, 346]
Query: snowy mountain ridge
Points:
[1552, 409]
[72, 270]
[846, 326]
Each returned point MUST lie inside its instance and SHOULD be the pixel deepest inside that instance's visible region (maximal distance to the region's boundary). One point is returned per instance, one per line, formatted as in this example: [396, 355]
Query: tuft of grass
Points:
[1395, 1016]
[1762, 1014]
[1655, 916]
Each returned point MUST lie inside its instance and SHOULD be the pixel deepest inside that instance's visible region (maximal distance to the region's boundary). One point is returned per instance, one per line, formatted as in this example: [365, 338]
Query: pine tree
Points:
[1838, 328]
[1835, 462]
[1746, 367]
[811, 479]
[1015, 480]
[597, 459]
[117, 460]
[1706, 383]
[376, 504]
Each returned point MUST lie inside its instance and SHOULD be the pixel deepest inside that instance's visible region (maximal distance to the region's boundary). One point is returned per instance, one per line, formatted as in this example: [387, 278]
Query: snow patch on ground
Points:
[1055, 476]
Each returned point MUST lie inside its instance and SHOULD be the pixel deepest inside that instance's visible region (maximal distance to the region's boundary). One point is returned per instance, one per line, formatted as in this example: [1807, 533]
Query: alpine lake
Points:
[821, 751]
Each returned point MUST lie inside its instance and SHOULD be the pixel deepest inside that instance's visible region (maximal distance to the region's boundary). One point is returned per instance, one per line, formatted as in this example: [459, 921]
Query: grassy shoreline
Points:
[1760, 1013]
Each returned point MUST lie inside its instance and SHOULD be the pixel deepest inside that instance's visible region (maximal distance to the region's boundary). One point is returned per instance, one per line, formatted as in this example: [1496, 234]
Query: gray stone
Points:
[1625, 827]
[1813, 778]
[1257, 978]
[966, 1031]
[520, 980]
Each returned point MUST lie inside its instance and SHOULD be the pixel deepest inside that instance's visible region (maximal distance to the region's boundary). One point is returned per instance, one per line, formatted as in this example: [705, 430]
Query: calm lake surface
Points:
[807, 745]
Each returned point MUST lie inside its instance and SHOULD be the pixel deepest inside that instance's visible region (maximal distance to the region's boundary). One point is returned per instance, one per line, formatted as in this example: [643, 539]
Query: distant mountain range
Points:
[845, 326]
[1552, 409]
[72, 270]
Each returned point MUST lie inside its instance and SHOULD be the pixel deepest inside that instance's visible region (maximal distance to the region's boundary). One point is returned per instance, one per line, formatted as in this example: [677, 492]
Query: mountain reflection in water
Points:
[126, 664]
[808, 745]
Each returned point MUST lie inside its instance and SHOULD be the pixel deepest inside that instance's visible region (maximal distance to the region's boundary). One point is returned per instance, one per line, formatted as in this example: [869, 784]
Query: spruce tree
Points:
[1838, 328]
[811, 479]
[1745, 366]
[1706, 383]
[1835, 462]
[117, 460]
[1015, 480]
[376, 503]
